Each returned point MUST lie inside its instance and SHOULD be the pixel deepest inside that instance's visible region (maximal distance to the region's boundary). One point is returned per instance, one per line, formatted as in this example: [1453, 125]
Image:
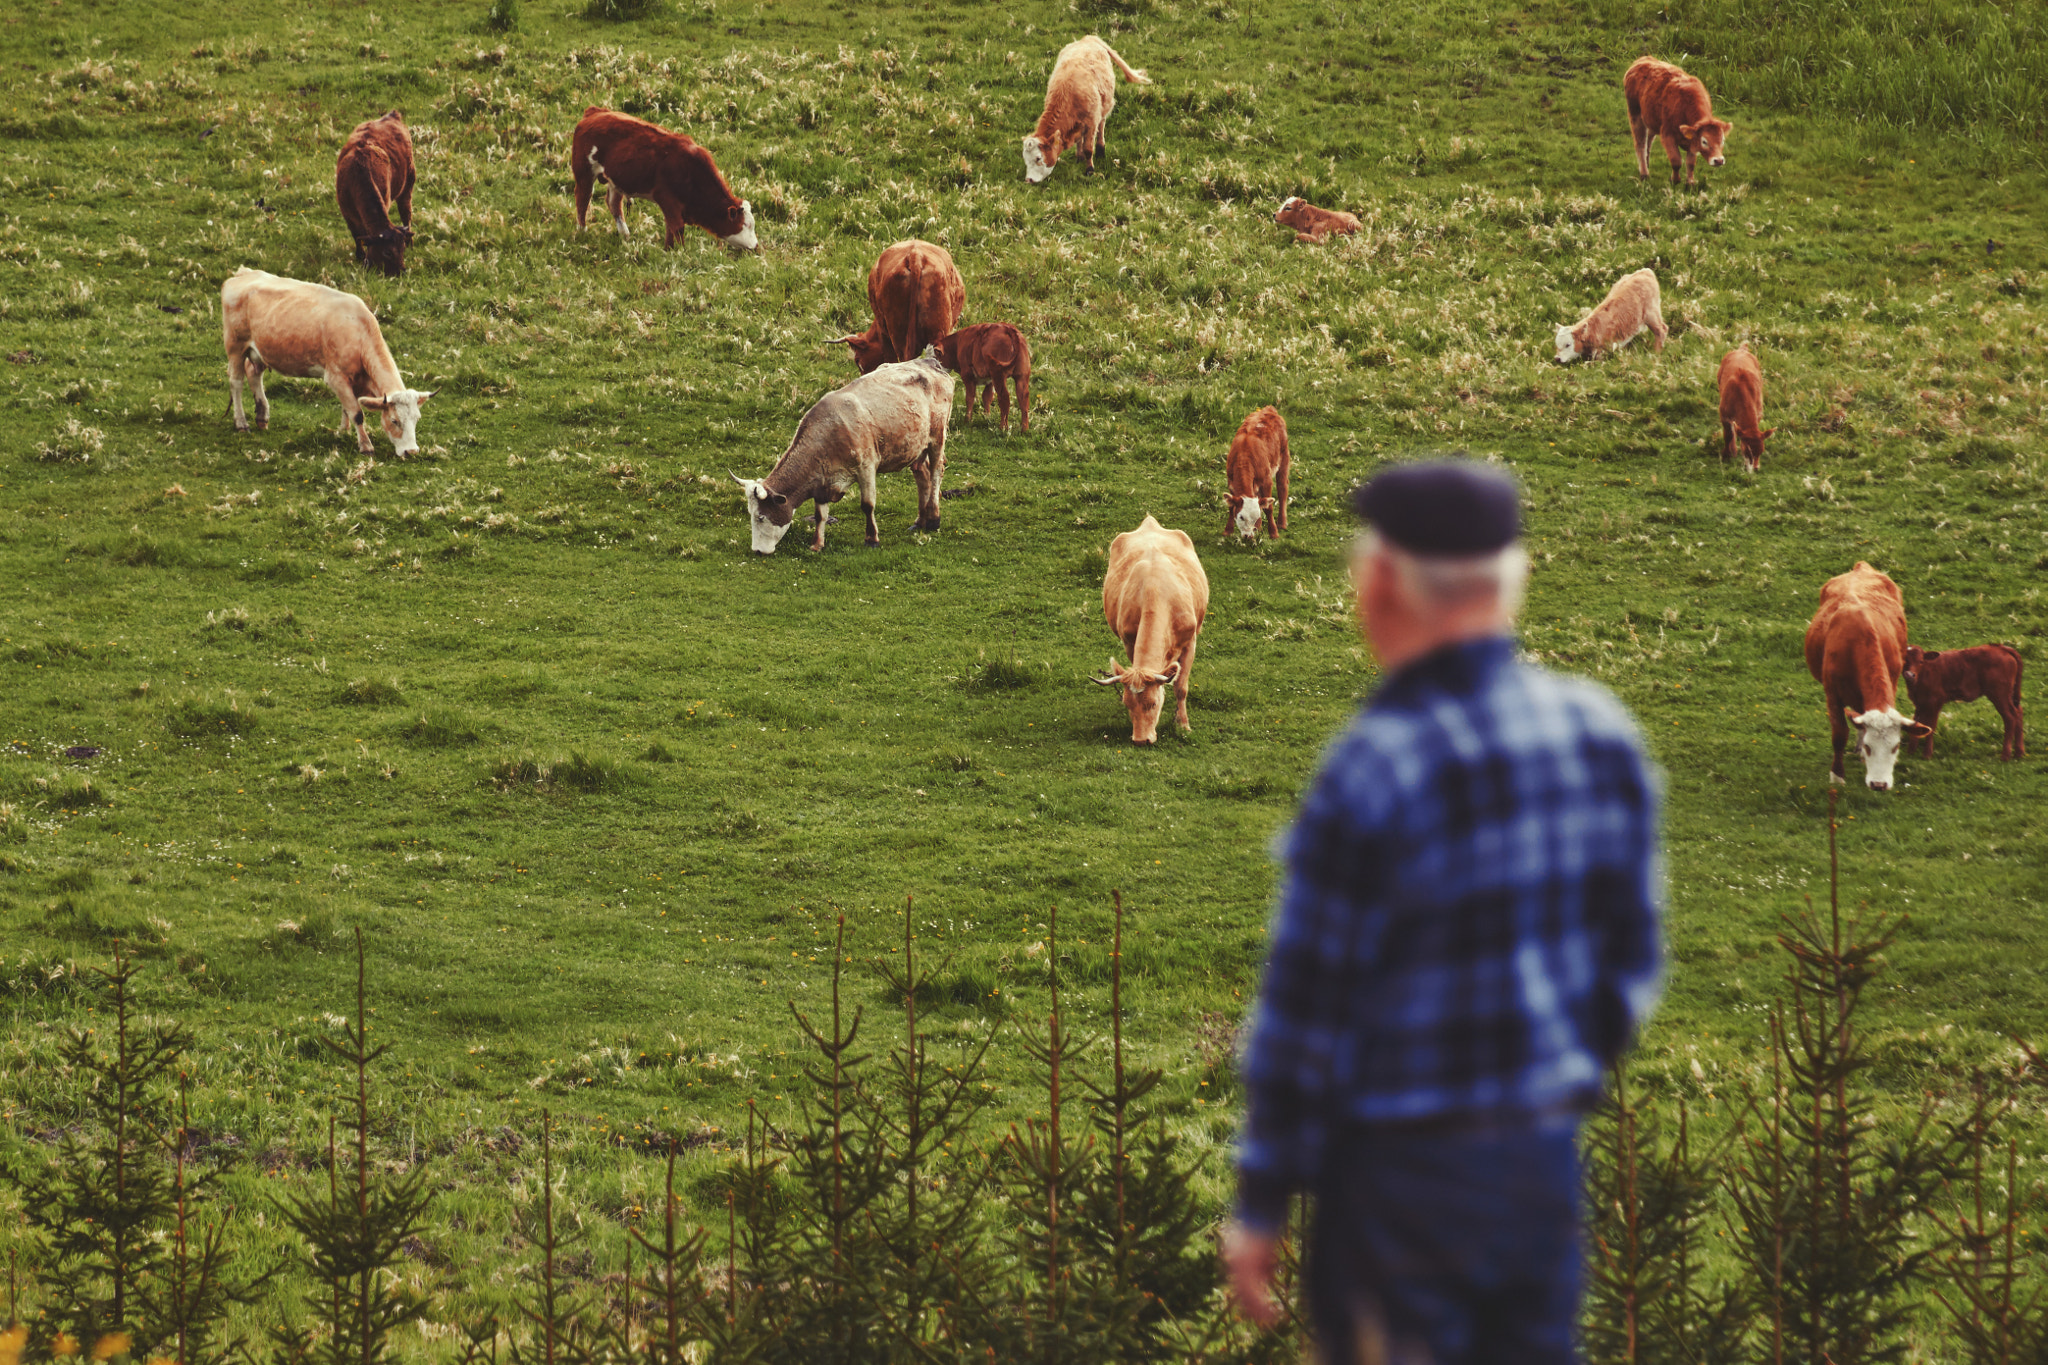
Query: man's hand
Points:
[1249, 1262]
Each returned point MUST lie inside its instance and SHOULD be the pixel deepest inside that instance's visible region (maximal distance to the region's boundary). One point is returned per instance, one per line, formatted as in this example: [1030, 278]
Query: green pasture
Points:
[595, 781]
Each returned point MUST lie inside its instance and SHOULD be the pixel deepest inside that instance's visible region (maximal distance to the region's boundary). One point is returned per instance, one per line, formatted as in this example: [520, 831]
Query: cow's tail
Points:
[1131, 74]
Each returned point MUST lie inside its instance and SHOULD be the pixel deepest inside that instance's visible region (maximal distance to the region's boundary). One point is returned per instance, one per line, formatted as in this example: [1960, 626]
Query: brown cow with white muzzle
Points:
[1154, 597]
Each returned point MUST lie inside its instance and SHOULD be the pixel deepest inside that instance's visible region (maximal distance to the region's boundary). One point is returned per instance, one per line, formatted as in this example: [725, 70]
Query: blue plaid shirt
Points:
[1469, 924]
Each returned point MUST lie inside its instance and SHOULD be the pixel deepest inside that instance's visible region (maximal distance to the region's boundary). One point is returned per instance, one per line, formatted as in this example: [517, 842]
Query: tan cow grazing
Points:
[1741, 381]
[309, 331]
[641, 160]
[917, 295]
[1312, 224]
[1258, 459]
[372, 176]
[1856, 649]
[1633, 305]
[1664, 102]
[1078, 101]
[1154, 597]
[1936, 677]
[988, 353]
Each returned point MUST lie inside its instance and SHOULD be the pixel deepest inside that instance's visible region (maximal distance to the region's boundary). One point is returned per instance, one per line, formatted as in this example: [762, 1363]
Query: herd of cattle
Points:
[893, 415]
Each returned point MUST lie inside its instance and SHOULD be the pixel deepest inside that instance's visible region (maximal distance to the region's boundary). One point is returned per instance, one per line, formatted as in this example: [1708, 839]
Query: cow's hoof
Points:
[1836, 779]
[873, 542]
[242, 427]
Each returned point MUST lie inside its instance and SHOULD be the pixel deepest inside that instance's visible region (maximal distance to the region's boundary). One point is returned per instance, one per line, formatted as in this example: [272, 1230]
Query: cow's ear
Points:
[773, 499]
[1726, 126]
[1767, 431]
[373, 404]
[1686, 130]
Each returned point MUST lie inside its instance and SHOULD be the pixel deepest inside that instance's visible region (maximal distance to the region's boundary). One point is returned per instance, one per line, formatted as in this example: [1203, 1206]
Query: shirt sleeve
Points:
[1625, 906]
[1331, 886]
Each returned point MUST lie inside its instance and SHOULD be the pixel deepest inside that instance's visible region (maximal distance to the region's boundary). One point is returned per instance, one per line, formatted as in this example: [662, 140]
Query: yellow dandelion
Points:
[11, 1342]
[63, 1344]
[111, 1345]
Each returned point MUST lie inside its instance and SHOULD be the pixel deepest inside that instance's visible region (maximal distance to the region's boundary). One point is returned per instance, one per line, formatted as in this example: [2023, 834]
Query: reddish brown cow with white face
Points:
[642, 161]
[1154, 597]
[1741, 381]
[917, 295]
[988, 353]
[1664, 102]
[1936, 677]
[1258, 458]
[1856, 649]
[372, 176]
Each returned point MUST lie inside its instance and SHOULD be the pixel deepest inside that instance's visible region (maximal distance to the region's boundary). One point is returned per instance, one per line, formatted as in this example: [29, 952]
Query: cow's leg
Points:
[818, 536]
[615, 204]
[1727, 442]
[262, 399]
[1930, 720]
[1281, 508]
[867, 504]
[1839, 732]
[1671, 154]
[970, 396]
[1024, 401]
[1689, 161]
[353, 414]
[1180, 686]
[237, 364]
[1641, 136]
[405, 200]
[1003, 401]
[585, 178]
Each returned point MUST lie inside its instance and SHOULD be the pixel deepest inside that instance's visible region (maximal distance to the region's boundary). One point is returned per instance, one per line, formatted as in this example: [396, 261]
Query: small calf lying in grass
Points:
[1312, 224]
[1936, 677]
[988, 353]
[1258, 456]
[1633, 305]
[1741, 381]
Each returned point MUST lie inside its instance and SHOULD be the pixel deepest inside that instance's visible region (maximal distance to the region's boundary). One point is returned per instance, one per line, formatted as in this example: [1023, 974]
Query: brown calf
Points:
[1936, 677]
[372, 176]
[1741, 381]
[1312, 224]
[1258, 458]
[917, 295]
[1665, 103]
[988, 353]
[640, 160]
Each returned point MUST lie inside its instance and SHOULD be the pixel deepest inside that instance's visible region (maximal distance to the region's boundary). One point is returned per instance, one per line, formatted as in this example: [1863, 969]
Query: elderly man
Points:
[1468, 934]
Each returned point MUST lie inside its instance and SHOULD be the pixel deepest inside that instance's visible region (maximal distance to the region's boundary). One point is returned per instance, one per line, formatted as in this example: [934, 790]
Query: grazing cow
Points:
[312, 332]
[892, 418]
[1154, 597]
[1742, 407]
[988, 353]
[1631, 306]
[1664, 102]
[1855, 649]
[1258, 458]
[916, 294]
[1936, 677]
[1078, 101]
[1312, 224]
[372, 175]
[640, 160]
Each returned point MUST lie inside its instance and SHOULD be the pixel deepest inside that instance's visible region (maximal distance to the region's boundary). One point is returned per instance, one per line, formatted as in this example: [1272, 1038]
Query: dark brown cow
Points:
[1936, 677]
[1664, 102]
[1258, 457]
[917, 295]
[988, 353]
[372, 176]
[640, 160]
[1855, 649]
[1741, 381]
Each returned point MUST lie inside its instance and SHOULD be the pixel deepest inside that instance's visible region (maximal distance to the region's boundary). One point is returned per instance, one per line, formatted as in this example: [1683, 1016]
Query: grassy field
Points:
[526, 710]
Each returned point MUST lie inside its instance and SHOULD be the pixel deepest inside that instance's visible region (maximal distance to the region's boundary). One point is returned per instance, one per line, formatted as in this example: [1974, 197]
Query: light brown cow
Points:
[988, 353]
[312, 332]
[372, 176]
[1154, 597]
[1856, 649]
[1741, 381]
[641, 160]
[1078, 101]
[1259, 458]
[1634, 304]
[917, 295]
[1664, 102]
[1312, 224]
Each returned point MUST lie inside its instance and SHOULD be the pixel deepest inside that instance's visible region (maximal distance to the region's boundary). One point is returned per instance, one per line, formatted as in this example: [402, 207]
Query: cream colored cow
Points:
[1154, 597]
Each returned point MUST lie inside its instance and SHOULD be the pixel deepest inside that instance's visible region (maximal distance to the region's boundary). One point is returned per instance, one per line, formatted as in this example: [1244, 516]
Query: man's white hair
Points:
[1453, 581]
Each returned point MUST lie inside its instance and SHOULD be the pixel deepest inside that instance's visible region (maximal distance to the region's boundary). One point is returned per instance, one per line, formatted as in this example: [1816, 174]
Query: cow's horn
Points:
[846, 340]
[735, 478]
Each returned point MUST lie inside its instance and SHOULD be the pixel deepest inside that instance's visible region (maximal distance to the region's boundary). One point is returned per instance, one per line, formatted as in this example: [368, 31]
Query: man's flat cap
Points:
[1453, 509]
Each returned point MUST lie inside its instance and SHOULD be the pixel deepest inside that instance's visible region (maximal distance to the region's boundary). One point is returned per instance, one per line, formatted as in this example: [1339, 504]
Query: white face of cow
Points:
[1567, 345]
[1291, 202]
[1248, 514]
[745, 239]
[1878, 734]
[1035, 169]
[400, 413]
[762, 505]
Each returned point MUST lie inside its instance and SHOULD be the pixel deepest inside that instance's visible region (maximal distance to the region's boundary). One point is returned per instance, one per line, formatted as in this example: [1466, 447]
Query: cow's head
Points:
[386, 250]
[400, 413]
[738, 226]
[1753, 446]
[1290, 211]
[1245, 513]
[1916, 656]
[1878, 735]
[1143, 695]
[1039, 158]
[1704, 139]
[1567, 344]
[870, 348]
[768, 514]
